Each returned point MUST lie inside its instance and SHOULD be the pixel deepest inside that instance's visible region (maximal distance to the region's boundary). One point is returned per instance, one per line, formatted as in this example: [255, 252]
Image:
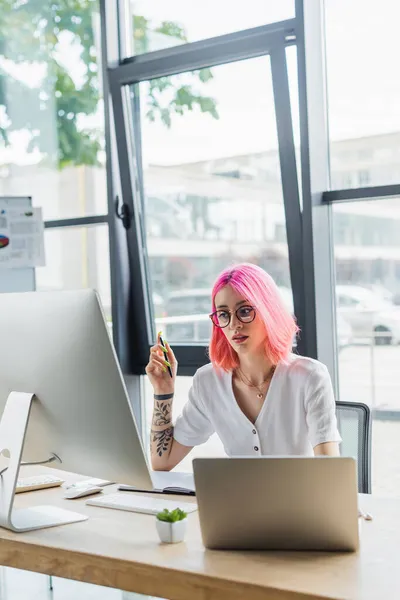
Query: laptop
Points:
[278, 503]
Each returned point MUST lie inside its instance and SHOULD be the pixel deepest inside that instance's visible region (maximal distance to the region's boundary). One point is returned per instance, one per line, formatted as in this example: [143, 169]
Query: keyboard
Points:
[141, 504]
[37, 482]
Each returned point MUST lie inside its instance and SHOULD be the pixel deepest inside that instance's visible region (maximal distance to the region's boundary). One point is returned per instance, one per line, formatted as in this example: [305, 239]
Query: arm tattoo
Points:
[162, 414]
[162, 440]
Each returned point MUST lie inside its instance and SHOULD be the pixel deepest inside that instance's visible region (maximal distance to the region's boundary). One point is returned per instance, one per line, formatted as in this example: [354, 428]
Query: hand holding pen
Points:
[162, 367]
[165, 350]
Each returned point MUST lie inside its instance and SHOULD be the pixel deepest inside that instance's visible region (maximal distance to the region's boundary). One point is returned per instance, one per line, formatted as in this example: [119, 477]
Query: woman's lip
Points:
[240, 338]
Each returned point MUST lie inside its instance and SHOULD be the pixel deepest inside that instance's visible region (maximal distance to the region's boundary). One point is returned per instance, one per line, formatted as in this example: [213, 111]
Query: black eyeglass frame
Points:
[230, 312]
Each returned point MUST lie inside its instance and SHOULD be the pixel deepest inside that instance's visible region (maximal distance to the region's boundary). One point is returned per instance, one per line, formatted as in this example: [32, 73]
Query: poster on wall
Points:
[21, 237]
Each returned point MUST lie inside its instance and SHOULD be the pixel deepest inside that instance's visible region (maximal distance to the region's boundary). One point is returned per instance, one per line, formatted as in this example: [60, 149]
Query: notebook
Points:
[167, 482]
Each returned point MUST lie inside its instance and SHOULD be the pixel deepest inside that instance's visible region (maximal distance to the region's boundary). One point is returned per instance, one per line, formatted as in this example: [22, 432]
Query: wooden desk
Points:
[121, 550]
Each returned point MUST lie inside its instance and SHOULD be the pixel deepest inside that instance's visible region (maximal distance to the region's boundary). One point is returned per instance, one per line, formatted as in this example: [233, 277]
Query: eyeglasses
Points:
[222, 318]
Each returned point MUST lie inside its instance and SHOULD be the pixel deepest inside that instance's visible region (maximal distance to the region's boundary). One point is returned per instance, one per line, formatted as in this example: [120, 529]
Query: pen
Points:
[162, 344]
[172, 491]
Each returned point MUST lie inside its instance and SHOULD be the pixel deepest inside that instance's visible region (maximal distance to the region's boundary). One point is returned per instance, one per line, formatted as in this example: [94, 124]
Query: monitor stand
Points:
[13, 426]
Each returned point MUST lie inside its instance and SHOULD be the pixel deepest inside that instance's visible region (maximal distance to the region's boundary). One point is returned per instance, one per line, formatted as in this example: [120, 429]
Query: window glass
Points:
[157, 24]
[77, 257]
[363, 93]
[51, 110]
[368, 292]
[212, 188]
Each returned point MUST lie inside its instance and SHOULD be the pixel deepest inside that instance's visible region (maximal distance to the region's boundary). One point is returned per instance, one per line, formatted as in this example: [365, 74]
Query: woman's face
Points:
[243, 337]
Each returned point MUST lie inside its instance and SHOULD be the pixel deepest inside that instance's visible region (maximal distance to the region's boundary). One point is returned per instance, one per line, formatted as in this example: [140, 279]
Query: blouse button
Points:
[256, 448]
[254, 431]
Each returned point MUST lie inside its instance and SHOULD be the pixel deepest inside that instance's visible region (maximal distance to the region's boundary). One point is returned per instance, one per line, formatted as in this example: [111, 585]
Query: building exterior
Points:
[201, 216]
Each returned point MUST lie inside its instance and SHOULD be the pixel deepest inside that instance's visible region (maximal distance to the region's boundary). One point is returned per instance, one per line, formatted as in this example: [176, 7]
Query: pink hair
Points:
[260, 290]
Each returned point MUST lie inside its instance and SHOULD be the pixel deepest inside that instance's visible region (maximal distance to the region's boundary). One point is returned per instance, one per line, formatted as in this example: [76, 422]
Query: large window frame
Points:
[269, 40]
[309, 227]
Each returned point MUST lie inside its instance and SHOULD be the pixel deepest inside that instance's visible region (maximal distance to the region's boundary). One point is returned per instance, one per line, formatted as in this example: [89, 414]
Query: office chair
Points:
[354, 423]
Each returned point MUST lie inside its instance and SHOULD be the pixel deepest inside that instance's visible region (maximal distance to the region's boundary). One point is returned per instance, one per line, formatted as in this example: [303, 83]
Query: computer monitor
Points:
[57, 346]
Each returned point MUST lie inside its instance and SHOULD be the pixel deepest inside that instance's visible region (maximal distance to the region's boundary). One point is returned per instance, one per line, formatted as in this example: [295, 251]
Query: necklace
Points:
[243, 377]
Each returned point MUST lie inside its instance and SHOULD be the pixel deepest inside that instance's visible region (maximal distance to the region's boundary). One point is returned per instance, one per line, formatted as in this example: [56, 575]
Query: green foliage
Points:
[32, 33]
[179, 97]
[183, 98]
[171, 516]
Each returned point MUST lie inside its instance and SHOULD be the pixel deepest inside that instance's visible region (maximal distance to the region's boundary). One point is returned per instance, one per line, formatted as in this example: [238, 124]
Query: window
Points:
[363, 95]
[51, 123]
[194, 208]
[291, 58]
[368, 293]
[157, 25]
[77, 257]
[51, 112]
[364, 178]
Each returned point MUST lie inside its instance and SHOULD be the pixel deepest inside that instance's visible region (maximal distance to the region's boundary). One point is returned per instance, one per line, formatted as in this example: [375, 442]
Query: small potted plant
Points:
[171, 525]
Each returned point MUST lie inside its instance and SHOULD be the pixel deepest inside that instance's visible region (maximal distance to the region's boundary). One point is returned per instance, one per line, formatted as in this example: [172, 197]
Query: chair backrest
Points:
[354, 423]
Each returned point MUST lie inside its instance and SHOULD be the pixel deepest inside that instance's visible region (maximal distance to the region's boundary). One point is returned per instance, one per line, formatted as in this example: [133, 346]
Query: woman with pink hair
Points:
[259, 397]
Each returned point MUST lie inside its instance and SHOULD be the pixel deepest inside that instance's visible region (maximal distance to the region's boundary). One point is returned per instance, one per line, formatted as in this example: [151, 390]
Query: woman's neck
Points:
[255, 368]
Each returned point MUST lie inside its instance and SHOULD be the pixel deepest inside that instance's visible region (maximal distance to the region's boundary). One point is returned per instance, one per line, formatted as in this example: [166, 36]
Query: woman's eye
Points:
[222, 315]
[245, 311]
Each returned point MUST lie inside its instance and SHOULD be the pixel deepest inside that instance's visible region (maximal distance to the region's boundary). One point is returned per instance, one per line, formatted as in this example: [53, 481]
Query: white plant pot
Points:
[170, 533]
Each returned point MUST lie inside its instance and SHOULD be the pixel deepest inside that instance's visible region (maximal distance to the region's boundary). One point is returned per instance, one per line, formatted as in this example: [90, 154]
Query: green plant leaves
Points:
[171, 516]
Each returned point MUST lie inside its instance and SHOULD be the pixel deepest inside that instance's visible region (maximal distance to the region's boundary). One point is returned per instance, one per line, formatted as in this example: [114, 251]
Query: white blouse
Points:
[298, 412]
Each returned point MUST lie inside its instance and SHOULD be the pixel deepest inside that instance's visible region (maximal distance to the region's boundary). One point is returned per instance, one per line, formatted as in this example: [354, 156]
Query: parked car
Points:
[188, 302]
[344, 332]
[186, 328]
[370, 316]
[158, 304]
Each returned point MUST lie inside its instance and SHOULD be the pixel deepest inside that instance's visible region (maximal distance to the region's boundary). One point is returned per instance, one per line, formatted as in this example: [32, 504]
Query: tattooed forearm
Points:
[162, 413]
[161, 436]
[161, 440]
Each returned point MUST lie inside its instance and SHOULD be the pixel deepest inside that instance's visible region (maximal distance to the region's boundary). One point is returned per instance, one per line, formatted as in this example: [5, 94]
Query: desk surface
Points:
[121, 550]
